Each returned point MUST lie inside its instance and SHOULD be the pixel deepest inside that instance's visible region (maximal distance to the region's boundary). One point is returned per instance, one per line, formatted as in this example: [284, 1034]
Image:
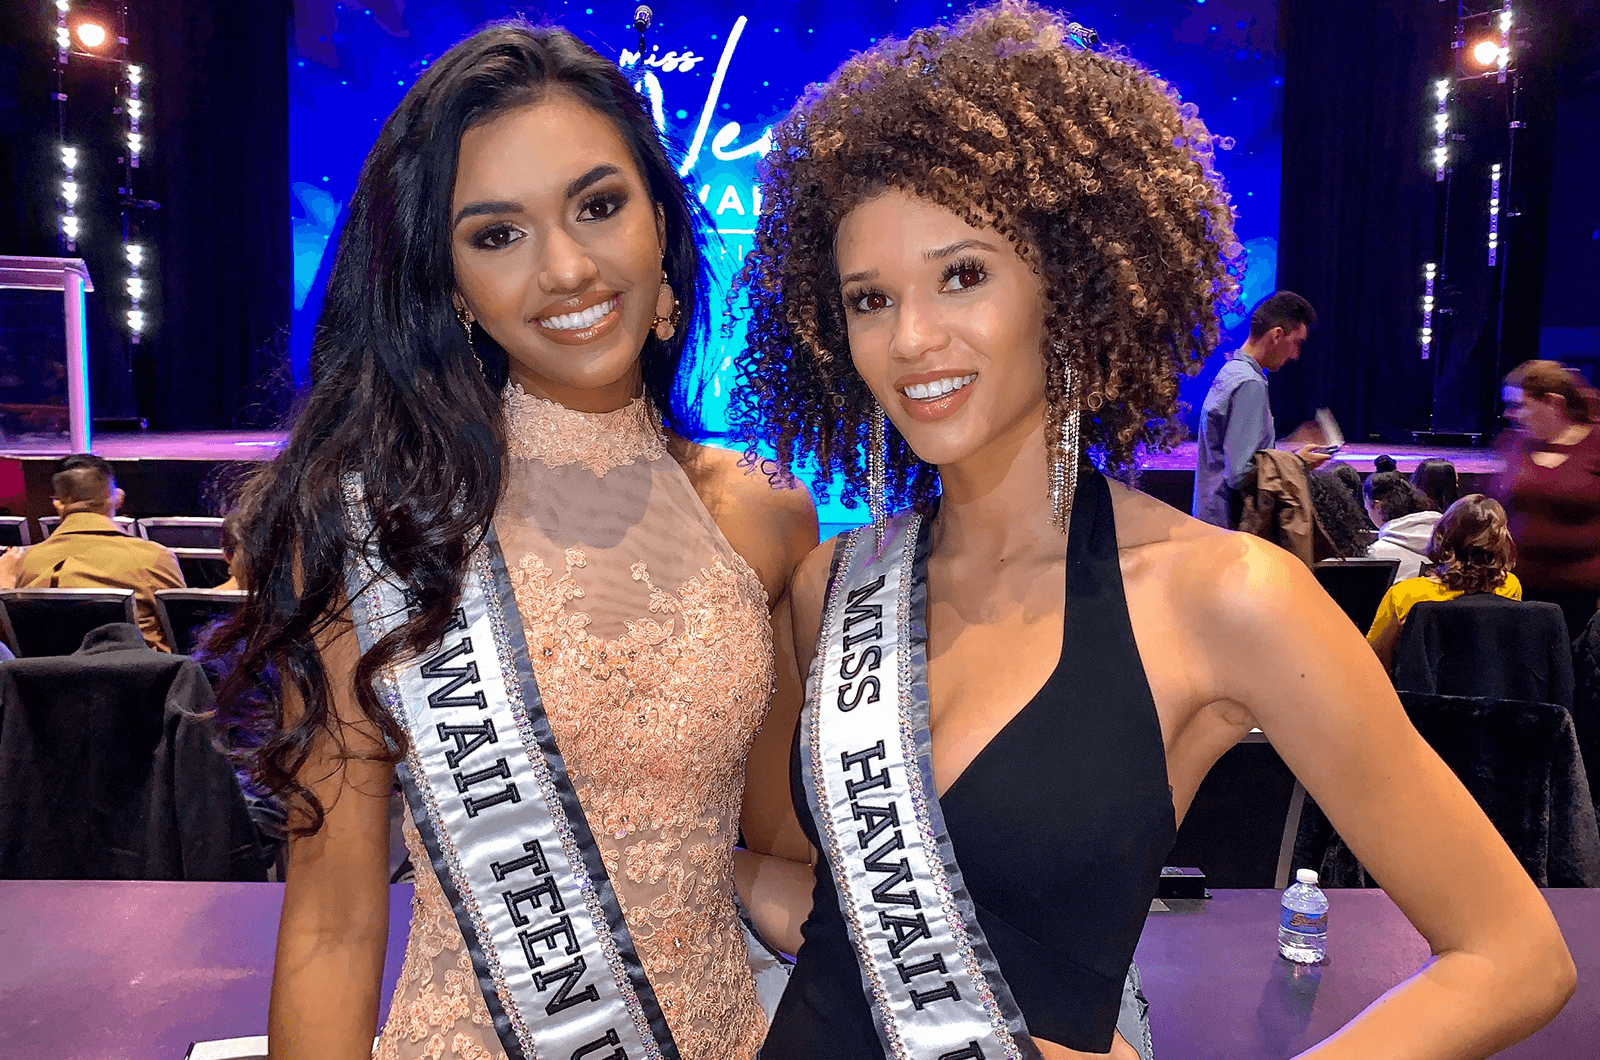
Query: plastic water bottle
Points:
[1303, 921]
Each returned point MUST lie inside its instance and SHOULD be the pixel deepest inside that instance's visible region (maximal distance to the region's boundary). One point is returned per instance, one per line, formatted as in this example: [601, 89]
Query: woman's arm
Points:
[335, 921]
[774, 875]
[1286, 653]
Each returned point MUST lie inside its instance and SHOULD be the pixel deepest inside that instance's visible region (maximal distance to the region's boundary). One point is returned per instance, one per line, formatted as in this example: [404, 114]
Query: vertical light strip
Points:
[1429, 272]
[69, 197]
[136, 291]
[1494, 212]
[1503, 60]
[63, 34]
[1441, 128]
[135, 111]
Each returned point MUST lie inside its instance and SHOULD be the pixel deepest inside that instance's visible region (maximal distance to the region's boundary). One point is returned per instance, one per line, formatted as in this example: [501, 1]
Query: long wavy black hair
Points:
[398, 399]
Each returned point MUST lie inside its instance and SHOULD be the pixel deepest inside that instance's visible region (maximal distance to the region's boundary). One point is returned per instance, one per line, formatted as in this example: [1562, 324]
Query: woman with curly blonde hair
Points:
[984, 253]
[1471, 552]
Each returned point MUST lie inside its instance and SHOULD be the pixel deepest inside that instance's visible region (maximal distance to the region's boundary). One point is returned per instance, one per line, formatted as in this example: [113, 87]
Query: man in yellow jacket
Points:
[87, 551]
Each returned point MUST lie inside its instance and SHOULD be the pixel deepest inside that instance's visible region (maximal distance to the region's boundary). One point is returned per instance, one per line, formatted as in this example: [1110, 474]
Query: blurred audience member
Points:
[1471, 552]
[1551, 488]
[1405, 518]
[1344, 525]
[1437, 479]
[88, 551]
[1381, 464]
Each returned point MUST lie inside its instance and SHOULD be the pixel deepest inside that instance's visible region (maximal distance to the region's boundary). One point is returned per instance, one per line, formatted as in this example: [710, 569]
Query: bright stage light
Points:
[135, 254]
[136, 320]
[91, 34]
[1486, 52]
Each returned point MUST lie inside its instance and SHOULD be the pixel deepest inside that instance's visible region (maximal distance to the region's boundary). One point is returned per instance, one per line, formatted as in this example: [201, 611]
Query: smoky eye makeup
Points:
[495, 236]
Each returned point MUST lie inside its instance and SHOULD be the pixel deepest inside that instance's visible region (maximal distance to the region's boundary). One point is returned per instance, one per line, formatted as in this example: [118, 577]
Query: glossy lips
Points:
[582, 320]
[934, 395]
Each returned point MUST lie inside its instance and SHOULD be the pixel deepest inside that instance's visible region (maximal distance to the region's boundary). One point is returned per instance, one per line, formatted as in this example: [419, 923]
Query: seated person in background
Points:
[1350, 478]
[1437, 479]
[87, 551]
[230, 552]
[1405, 519]
[1344, 525]
[1471, 552]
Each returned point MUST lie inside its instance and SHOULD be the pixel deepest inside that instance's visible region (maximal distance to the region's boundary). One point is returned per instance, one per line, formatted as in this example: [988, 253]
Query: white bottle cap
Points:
[1306, 876]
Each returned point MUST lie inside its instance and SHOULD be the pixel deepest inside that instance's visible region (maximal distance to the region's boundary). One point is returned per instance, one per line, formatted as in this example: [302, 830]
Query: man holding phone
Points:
[1236, 419]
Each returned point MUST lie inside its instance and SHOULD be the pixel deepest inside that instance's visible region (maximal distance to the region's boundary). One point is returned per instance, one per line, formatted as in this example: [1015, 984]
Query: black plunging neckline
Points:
[1011, 722]
[1061, 823]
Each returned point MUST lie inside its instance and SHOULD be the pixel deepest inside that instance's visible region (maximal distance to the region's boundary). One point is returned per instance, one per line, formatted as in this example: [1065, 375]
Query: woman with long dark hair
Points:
[490, 564]
[984, 253]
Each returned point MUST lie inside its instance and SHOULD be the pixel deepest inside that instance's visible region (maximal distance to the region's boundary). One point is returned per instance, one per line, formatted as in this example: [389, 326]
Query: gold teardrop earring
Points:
[668, 311]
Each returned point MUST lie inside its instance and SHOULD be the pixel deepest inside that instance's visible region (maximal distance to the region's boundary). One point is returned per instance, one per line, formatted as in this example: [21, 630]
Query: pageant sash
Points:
[935, 989]
[490, 796]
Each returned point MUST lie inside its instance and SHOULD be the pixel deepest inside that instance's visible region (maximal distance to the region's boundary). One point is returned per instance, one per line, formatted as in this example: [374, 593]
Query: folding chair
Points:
[184, 611]
[127, 525]
[39, 622]
[183, 531]
[14, 531]
[203, 568]
[1357, 586]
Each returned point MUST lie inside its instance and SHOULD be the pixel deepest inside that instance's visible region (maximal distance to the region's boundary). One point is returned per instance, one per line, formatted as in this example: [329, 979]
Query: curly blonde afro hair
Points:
[1091, 166]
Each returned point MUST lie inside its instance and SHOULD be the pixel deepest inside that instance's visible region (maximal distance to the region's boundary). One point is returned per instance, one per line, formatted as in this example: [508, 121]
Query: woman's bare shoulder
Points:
[766, 515]
[1213, 573]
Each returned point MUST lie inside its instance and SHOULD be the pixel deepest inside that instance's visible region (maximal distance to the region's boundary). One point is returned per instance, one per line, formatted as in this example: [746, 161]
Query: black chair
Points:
[203, 568]
[183, 531]
[127, 525]
[113, 772]
[185, 611]
[1241, 825]
[37, 622]
[1357, 586]
[14, 531]
[1485, 646]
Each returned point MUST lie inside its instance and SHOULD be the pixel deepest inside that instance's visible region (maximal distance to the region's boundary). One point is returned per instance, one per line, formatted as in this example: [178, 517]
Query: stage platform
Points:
[190, 473]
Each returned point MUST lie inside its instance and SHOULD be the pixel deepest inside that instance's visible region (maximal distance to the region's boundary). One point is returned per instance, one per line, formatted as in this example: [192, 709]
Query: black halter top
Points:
[1060, 824]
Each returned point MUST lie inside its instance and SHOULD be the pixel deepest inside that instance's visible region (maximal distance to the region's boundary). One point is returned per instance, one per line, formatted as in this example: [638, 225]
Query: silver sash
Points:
[935, 989]
[489, 793]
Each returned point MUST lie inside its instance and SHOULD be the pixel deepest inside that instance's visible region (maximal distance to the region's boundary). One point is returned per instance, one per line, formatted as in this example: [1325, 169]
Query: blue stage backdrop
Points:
[720, 73]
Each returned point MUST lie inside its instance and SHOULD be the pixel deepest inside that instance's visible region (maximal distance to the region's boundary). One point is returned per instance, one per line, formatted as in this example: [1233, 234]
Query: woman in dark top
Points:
[1551, 489]
[982, 251]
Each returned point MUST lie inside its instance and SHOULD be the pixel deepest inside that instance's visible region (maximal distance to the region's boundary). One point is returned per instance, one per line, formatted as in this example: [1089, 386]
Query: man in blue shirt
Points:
[1236, 419]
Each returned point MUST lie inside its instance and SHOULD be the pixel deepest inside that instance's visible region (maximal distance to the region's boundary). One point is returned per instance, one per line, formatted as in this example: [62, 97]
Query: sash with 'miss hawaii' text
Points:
[490, 797]
[933, 984]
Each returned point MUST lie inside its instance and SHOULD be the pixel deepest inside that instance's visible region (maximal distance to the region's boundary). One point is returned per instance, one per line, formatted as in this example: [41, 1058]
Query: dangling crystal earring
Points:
[1065, 449]
[464, 315]
[877, 489]
[668, 311]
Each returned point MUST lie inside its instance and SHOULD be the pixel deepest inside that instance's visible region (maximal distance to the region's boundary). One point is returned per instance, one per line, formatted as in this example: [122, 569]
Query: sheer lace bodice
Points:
[651, 644]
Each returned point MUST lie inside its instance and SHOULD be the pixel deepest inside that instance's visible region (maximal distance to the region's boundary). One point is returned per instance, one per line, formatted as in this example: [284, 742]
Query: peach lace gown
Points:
[651, 643]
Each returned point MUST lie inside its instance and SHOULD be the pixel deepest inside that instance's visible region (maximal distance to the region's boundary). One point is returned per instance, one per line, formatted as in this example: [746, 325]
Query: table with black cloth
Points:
[109, 971]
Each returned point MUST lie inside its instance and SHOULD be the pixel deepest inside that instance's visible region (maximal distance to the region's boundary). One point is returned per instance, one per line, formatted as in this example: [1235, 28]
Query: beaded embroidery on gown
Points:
[650, 639]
